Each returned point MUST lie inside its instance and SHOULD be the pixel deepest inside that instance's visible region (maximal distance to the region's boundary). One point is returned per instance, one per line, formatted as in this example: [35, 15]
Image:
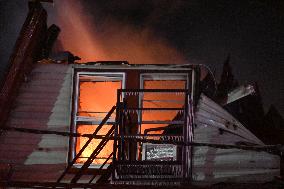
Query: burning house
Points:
[110, 122]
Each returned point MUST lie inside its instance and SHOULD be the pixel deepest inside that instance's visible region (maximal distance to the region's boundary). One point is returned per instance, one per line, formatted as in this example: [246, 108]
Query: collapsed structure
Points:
[66, 124]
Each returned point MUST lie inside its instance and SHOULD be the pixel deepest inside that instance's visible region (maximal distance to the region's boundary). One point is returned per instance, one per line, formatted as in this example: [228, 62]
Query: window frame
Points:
[167, 76]
[76, 91]
[148, 76]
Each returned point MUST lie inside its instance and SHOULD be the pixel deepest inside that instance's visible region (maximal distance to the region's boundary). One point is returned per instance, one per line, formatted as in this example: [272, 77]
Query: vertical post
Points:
[193, 100]
[122, 129]
[184, 150]
[119, 131]
[188, 137]
[190, 124]
[117, 118]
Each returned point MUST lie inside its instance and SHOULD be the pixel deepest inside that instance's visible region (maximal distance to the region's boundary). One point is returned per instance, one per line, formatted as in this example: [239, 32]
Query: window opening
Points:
[161, 122]
[96, 94]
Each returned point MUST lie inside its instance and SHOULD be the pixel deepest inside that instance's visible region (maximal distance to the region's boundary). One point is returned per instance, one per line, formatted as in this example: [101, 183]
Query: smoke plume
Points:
[111, 40]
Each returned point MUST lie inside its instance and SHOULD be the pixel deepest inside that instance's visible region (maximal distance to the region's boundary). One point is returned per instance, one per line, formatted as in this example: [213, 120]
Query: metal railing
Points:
[94, 153]
[142, 167]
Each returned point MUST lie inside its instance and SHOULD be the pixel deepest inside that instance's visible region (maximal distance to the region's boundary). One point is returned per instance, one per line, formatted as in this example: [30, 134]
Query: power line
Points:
[274, 149]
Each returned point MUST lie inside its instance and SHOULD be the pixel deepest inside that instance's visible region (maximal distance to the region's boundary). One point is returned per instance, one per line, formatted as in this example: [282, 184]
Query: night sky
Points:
[205, 32]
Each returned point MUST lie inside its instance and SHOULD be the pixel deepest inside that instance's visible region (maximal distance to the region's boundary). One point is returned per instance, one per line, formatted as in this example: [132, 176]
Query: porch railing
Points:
[94, 153]
[134, 160]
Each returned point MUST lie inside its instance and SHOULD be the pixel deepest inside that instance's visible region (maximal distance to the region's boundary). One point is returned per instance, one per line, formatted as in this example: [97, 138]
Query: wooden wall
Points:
[43, 102]
[213, 165]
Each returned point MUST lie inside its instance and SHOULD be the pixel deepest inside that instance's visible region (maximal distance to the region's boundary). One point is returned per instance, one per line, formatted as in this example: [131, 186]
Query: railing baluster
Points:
[93, 156]
[101, 167]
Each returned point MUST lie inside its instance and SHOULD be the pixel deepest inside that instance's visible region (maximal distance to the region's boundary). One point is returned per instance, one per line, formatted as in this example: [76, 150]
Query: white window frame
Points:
[122, 75]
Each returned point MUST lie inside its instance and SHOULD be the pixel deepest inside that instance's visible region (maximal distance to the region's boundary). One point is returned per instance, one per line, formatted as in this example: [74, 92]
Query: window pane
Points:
[89, 129]
[96, 96]
[162, 100]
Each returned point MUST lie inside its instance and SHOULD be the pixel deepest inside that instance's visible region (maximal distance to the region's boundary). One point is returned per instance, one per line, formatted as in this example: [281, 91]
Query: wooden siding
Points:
[212, 165]
[43, 102]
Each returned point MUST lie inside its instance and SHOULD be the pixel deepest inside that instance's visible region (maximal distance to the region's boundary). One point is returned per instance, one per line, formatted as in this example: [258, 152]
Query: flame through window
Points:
[96, 95]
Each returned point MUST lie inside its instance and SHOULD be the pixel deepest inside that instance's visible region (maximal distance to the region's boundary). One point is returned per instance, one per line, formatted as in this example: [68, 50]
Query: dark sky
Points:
[251, 31]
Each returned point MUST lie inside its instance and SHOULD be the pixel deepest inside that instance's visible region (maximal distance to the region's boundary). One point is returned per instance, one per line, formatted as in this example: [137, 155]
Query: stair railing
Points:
[70, 164]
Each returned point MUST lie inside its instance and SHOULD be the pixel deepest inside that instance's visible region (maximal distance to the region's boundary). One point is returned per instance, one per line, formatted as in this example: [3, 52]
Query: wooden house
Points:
[116, 123]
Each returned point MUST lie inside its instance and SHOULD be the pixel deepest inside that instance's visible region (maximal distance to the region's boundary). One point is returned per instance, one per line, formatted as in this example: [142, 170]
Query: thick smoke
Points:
[113, 40]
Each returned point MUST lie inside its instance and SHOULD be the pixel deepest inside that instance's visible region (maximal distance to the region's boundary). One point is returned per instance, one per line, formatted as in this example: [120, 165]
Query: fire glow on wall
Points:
[97, 94]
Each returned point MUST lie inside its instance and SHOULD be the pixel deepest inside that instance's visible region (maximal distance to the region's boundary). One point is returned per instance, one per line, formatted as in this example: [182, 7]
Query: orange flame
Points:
[117, 42]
